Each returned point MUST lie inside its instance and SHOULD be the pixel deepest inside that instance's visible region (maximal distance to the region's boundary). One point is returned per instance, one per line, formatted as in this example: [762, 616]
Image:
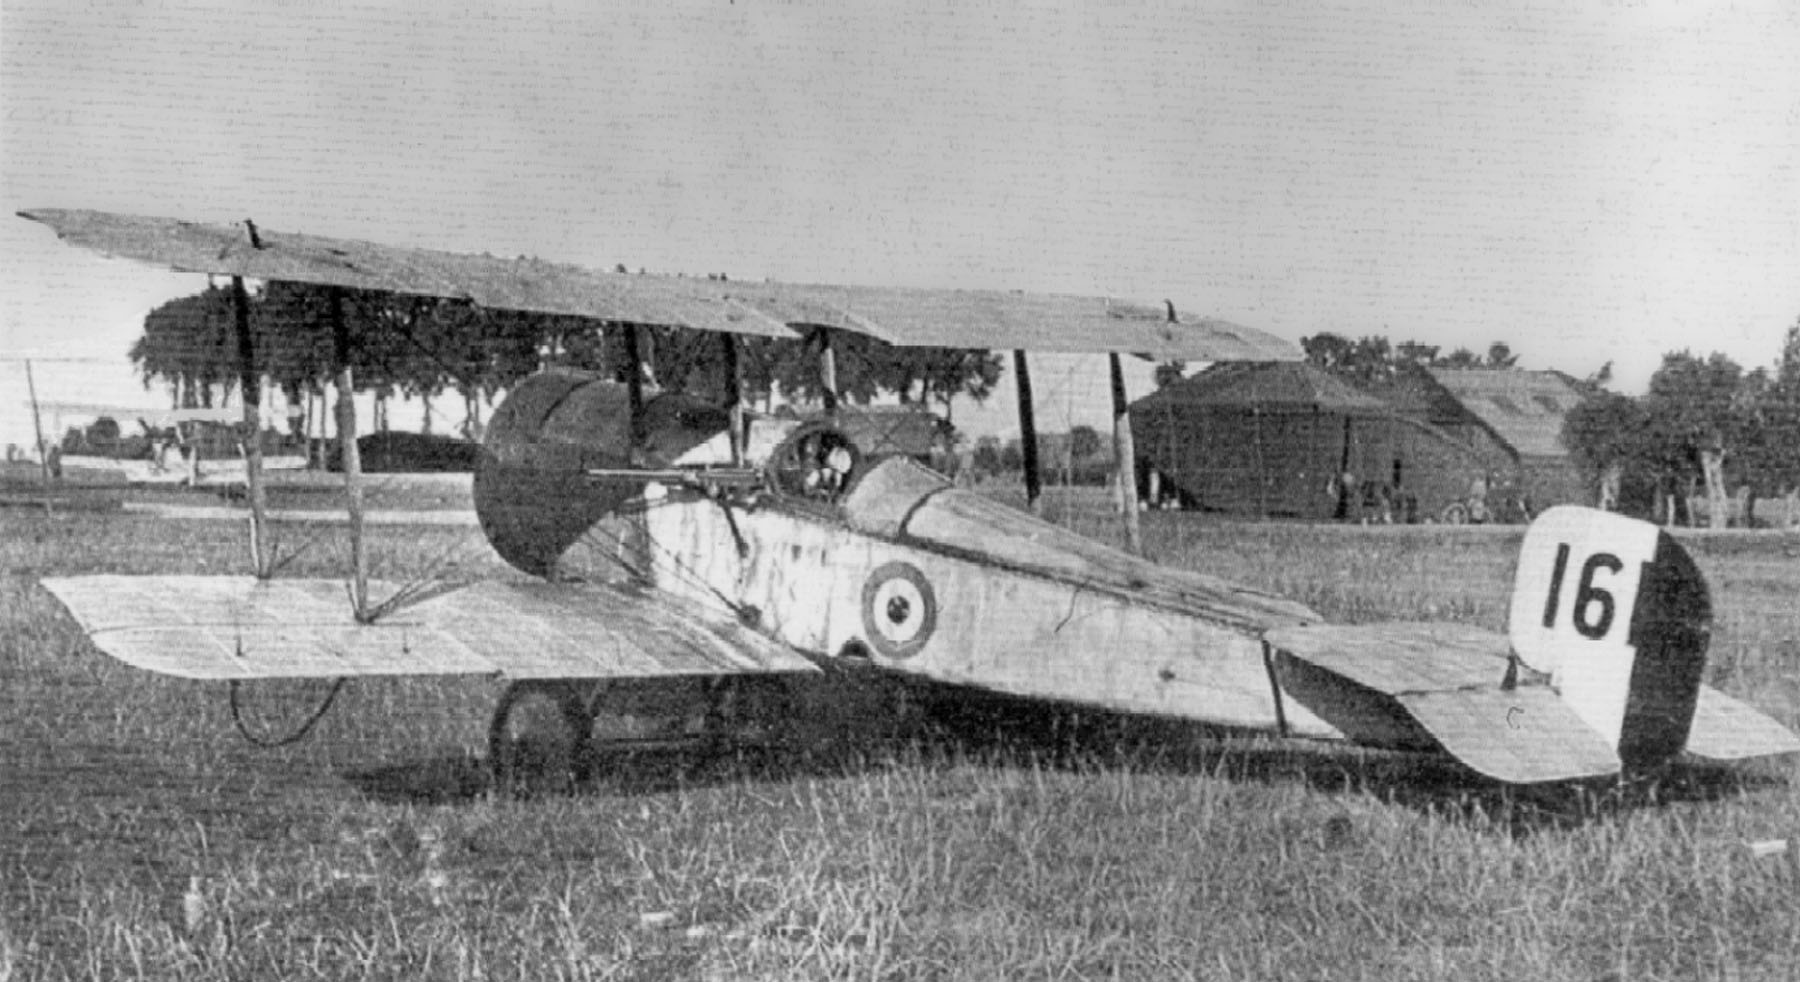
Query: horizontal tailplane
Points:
[1726, 730]
[1444, 686]
[1437, 686]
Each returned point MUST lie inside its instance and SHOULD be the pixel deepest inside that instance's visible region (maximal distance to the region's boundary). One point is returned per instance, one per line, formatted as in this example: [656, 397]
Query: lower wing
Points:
[217, 627]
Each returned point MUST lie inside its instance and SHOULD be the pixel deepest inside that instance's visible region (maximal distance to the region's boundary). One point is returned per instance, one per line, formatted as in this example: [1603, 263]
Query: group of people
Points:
[1365, 502]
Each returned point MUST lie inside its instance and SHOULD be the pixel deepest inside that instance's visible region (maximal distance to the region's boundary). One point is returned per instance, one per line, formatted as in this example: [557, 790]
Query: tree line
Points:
[436, 350]
[1704, 423]
[1081, 455]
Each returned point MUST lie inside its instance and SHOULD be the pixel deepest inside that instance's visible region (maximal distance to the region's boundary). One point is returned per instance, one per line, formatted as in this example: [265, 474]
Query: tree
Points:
[986, 458]
[189, 344]
[1755, 465]
[1704, 420]
[1367, 361]
[1328, 350]
[939, 374]
[1084, 441]
[793, 366]
[399, 344]
[1012, 457]
[478, 351]
[1695, 417]
[419, 347]
[383, 362]
[1499, 355]
[1415, 353]
[296, 347]
[1459, 358]
[1606, 435]
[1777, 427]
[1370, 361]
[866, 367]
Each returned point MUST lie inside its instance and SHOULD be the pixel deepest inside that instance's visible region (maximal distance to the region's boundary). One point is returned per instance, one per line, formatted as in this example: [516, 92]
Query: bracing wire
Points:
[677, 565]
[271, 743]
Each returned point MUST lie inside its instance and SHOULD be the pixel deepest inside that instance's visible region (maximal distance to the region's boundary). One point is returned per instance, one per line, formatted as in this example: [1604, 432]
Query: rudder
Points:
[1618, 615]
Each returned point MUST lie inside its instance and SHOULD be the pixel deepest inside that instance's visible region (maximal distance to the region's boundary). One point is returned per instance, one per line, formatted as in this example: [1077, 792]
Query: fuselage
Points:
[925, 578]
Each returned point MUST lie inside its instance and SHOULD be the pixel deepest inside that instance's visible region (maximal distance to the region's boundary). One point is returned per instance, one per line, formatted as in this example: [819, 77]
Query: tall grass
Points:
[371, 850]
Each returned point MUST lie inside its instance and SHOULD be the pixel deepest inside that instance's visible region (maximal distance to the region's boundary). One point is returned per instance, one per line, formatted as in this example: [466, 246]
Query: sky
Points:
[1588, 183]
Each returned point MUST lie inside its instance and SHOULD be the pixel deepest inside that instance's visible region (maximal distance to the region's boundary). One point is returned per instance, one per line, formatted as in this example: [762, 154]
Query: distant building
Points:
[1514, 414]
[1289, 439]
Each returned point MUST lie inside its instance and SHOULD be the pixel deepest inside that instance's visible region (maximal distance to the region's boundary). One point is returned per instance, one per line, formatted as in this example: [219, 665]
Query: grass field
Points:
[371, 851]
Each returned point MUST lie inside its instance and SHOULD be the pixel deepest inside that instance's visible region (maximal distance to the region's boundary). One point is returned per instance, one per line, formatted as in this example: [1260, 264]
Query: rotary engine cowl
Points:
[533, 494]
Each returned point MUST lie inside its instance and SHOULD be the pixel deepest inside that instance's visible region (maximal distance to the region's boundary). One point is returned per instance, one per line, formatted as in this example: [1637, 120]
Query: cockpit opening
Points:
[815, 463]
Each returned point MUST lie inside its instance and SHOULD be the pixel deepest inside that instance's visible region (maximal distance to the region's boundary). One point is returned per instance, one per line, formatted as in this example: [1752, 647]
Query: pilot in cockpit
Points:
[829, 460]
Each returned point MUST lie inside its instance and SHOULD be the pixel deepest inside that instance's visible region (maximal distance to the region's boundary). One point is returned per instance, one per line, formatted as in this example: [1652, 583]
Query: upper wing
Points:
[216, 627]
[512, 284]
[1014, 320]
[908, 317]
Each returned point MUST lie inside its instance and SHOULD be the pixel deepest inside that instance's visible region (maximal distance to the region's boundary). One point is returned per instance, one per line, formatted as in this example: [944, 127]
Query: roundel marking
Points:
[899, 609]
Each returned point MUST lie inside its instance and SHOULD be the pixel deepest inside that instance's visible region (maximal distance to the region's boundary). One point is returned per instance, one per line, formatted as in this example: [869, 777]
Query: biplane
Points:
[755, 552]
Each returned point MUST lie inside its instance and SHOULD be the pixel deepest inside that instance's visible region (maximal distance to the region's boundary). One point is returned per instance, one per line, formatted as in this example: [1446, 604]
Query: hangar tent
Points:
[1276, 438]
[1520, 414]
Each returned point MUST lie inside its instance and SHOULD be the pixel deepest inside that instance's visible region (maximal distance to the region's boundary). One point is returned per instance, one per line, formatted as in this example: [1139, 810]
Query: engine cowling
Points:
[533, 494]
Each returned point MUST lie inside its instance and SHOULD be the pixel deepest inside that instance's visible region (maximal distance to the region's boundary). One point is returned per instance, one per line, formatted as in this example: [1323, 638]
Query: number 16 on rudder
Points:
[1616, 612]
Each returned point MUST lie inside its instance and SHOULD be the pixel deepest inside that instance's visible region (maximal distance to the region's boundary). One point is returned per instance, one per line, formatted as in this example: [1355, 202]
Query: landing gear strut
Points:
[548, 735]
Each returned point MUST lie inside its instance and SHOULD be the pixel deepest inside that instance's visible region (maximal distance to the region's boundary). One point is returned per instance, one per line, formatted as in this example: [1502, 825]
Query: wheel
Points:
[538, 741]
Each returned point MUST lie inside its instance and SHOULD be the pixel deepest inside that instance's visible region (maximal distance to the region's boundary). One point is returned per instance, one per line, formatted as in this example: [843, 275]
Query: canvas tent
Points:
[1274, 438]
[1522, 414]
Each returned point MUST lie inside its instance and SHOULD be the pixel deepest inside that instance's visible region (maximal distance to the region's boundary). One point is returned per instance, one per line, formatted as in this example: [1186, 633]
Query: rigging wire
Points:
[677, 565]
[271, 743]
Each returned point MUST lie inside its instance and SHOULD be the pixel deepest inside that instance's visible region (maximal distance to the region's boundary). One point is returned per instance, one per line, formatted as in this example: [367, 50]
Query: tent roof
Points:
[1267, 387]
[1525, 409]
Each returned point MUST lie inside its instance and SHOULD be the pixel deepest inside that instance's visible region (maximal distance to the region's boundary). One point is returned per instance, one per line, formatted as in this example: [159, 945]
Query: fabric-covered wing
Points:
[1396, 683]
[908, 317]
[1523, 736]
[1009, 320]
[214, 627]
[512, 284]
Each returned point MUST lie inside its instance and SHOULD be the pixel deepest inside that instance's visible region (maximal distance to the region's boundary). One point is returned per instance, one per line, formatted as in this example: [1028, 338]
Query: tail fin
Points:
[1615, 612]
